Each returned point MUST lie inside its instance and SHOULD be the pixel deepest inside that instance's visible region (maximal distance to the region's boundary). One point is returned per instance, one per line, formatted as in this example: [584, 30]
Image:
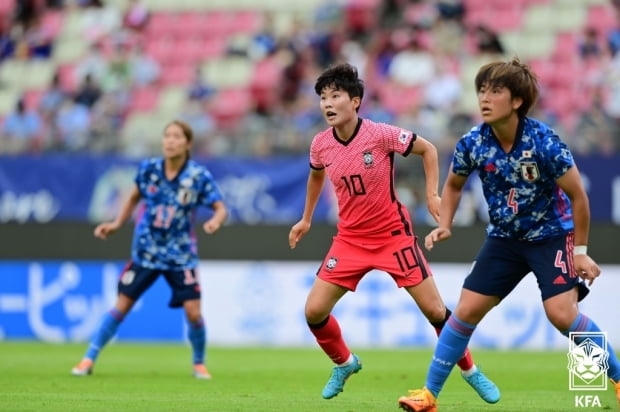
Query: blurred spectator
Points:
[373, 109]
[94, 63]
[88, 92]
[36, 41]
[118, 75]
[72, 126]
[596, 131]
[22, 131]
[589, 45]
[487, 41]
[443, 91]
[26, 12]
[52, 99]
[106, 119]
[136, 16]
[143, 69]
[194, 112]
[100, 22]
[198, 88]
[402, 70]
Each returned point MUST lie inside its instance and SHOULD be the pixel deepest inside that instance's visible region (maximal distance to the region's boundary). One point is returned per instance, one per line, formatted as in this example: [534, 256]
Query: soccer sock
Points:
[197, 335]
[466, 363]
[584, 324]
[107, 329]
[329, 338]
[453, 340]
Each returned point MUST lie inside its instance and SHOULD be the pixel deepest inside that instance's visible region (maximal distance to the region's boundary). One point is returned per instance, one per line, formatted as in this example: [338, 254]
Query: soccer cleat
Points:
[617, 387]
[84, 368]
[418, 400]
[200, 372]
[487, 390]
[340, 374]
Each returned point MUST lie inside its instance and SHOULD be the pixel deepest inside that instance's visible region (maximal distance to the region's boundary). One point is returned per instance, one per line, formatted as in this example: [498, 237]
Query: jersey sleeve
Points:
[211, 192]
[462, 160]
[560, 156]
[140, 179]
[315, 159]
[396, 139]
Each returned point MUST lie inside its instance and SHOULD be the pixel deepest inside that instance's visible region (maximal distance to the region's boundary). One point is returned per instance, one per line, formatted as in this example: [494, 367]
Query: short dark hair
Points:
[342, 76]
[515, 76]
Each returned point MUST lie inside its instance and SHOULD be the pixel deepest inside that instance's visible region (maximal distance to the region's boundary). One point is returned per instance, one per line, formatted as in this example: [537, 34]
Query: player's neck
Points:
[347, 130]
[172, 165]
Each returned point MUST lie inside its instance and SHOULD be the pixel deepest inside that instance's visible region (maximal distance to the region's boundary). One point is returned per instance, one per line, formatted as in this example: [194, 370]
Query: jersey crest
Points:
[331, 263]
[529, 171]
[368, 160]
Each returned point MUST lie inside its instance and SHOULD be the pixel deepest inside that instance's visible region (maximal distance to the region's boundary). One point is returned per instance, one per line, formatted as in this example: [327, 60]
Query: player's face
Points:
[337, 106]
[497, 104]
[175, 143]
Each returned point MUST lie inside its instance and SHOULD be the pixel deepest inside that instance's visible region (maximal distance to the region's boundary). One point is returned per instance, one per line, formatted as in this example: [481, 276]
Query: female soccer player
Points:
[374, 229]
[171, 187]
[539, 221]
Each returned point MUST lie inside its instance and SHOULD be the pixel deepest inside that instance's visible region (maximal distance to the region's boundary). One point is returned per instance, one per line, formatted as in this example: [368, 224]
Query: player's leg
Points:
[186, 292]
[325, 328]
[492, 277]
[561, 290]
[131, 285]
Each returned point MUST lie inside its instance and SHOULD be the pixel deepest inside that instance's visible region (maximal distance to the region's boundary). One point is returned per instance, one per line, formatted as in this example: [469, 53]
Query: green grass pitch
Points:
[35, 376]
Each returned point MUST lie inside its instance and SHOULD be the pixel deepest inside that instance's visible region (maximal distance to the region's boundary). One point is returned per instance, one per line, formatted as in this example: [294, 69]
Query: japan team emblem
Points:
[529, 171]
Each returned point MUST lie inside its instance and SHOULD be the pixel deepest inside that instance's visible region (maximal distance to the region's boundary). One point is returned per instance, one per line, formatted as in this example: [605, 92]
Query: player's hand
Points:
[433, 203]
[298, 231]
[436, 235]
[103, 230]
[211, 226]
[586, 268]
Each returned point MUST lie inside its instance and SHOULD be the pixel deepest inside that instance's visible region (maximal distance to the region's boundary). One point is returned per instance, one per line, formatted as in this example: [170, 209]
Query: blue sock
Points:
[584, 324]
[197, 335]
[452, 343]
[107, 329]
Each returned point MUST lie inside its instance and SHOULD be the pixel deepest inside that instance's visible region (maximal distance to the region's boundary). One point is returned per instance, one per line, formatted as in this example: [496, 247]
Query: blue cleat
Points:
[340, 374]
[487, 390]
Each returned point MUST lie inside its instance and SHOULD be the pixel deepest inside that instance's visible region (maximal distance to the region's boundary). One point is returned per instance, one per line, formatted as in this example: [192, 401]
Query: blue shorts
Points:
[502, 263]
[135, 280]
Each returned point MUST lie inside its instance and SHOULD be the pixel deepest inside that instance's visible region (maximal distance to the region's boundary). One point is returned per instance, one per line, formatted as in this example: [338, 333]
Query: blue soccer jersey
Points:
[523, 198]
[164, 235]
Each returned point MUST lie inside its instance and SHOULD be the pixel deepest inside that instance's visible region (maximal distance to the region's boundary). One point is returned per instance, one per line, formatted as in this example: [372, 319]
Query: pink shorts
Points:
[349, 259]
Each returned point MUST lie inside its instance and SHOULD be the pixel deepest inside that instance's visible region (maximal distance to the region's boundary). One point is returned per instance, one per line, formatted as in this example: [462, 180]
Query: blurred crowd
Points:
[411, 54]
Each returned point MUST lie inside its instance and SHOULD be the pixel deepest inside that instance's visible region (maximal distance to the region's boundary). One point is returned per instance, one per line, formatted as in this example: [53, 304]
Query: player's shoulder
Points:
[151, 163]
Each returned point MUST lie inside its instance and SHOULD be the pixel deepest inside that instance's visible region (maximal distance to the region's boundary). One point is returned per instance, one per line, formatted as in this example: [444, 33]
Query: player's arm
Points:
[572, 185]
[104, 229]
[220, 214]
[316, 180]
[430, 161]
[450, 198]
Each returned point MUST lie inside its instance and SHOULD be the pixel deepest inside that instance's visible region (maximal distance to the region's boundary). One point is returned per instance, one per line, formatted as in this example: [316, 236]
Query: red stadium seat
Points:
[232, 105]
[144, 99]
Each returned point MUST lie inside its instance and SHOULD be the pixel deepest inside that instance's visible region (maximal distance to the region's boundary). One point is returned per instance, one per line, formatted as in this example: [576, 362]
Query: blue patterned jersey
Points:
[523, 198]
[164, 235]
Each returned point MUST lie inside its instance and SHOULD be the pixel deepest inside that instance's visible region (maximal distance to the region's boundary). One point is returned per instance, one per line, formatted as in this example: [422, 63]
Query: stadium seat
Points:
[144, 99]
[232, 104]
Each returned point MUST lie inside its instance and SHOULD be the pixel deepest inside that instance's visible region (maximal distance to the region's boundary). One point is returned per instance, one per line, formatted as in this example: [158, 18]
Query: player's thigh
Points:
[345, 264]
[403, 259]
[184, 285]
[499, 267]
[553, 267]
[135, 280]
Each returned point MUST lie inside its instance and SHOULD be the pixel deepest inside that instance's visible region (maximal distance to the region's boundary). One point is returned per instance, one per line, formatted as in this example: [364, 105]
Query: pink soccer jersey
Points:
[362, 173]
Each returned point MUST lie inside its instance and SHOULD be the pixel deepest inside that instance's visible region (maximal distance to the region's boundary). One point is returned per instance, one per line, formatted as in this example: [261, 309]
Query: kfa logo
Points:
[331, 263]
[587, 366]
[368, 160]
